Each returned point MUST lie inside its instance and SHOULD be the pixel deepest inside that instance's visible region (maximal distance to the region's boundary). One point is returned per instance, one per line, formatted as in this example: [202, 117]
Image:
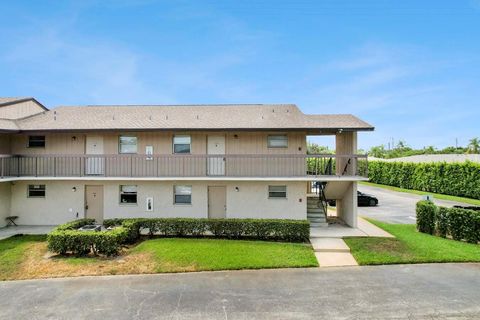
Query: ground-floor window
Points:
[128, 194]
[277, 192]
[182, 194]
[36, 191]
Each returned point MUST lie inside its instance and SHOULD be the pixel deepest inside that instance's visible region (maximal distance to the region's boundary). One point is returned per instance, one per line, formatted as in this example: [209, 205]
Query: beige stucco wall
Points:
[4, 202]
[235, 143]
[20, 110]
[346, 144]
[347, 206]
[62, 204]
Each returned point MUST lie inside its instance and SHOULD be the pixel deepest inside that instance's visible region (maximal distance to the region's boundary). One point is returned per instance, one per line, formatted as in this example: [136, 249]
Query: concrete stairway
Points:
[315, 213]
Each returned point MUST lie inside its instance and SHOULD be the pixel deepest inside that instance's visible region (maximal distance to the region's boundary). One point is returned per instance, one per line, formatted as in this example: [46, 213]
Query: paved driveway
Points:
[435, 291]
[395, 207]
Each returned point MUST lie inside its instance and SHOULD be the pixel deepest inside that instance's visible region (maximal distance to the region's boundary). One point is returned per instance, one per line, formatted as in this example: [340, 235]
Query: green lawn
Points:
[13, 251]
[27, 257]
[174, 254]
[474, 202]
[410, 246]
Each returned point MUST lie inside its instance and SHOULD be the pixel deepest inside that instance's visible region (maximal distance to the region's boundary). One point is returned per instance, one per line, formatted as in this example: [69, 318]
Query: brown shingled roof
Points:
[188, 117]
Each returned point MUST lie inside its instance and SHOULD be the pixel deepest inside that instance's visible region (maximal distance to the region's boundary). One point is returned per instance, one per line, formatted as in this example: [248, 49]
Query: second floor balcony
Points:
[184, 166]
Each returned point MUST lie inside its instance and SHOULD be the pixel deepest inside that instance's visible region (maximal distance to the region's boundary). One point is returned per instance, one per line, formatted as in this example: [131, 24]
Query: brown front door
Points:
[94, 203]
[217, 202]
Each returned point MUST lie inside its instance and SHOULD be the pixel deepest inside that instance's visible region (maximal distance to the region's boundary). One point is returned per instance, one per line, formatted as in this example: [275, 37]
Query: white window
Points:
[127, 144]
[277, 192]
[182, 194]
[182, 144]
[128, 194]
[36, 191]
[36, 141]
[277, 141]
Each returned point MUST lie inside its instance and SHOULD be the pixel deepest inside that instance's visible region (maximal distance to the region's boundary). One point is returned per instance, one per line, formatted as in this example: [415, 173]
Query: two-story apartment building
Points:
[201, 161]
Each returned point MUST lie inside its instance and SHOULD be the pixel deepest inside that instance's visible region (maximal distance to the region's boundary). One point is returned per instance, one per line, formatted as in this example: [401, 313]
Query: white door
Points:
[94, 203]
[94, 165]
[216, 164]
[217, 202]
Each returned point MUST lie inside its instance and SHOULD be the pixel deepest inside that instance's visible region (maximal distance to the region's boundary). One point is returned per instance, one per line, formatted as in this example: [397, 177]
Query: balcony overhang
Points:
[93, 178]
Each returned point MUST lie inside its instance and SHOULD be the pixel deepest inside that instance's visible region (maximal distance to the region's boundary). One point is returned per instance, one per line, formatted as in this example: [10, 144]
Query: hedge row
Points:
[262, 229]
[456, 179]
[460, 224]
[66, 238]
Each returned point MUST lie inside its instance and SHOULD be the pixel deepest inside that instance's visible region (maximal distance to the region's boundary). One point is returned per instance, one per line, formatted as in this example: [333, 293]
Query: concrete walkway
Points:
[7, 232]
[364, 229]
[428, 291]
[332, 251]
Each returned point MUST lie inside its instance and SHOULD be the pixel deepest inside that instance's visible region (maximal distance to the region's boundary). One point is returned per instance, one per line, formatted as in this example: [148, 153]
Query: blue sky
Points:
[411, 68]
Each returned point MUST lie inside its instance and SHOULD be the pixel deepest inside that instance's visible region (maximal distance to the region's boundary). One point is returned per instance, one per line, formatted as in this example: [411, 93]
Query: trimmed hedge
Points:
[456, 179]
[426, 213]
[460, 224]
[263, 229]
[66, 238]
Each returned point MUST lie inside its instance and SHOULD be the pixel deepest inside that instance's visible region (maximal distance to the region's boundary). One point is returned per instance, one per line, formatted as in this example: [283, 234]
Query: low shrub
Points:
[75, 224]
[426, 212]
[460, 224]
[66, 238]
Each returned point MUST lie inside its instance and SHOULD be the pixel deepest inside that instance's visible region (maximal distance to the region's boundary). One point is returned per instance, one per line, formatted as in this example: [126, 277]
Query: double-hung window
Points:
[127, 144]
[277, 192]
[182, 144]
[36, 141]
[128, 194]
[277, 141]
[182, 194]
[36, 191]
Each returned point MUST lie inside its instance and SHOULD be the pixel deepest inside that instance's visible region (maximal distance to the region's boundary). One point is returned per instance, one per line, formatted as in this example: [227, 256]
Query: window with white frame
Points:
[36, 141]
[127, 144]
[36, 191]
[277, 141]
[182, 194]
[128, 194]
[182, 144]
[277, 192]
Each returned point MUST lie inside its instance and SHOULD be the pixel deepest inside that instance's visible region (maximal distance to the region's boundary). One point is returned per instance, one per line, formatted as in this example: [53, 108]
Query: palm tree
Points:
[474, 145]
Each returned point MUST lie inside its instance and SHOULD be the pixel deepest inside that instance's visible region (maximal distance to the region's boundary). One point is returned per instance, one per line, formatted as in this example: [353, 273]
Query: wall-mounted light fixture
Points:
[235, 136]
[74, 138]
[74, 189]
[237, 189]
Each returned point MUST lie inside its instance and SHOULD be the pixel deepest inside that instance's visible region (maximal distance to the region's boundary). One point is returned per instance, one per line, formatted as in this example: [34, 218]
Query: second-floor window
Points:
[36, 141]
[127, 144]
[277, 141]
[182, 144]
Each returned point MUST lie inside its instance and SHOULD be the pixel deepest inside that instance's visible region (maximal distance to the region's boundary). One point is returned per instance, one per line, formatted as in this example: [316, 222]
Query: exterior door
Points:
[217, 202]
[94, 203]
[94, 165]
[216, 155]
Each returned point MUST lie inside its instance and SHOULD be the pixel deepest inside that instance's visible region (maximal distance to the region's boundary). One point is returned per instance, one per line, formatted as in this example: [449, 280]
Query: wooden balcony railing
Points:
[157, 166]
